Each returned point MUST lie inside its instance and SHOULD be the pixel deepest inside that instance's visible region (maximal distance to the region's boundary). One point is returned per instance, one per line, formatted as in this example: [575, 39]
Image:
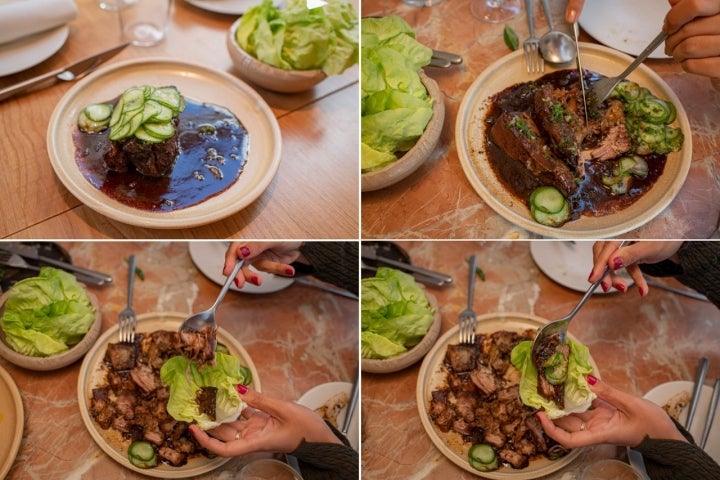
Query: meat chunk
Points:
[461, 358]
[173, 457]
[519, 137]
[484, 378]
[515, 459]
[121, 355]
[151, 159]
[145, 378]
[556, 109]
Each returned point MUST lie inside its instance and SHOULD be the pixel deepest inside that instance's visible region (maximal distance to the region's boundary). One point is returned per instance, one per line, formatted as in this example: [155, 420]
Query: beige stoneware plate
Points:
[196, 82]
[12, 421]
[92, 374]
[509, 70]
[432, 378]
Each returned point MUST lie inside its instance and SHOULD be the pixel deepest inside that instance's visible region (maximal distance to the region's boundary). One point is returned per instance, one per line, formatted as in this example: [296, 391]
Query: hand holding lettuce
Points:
[578, 395]
[395, 314]
[46, 315]
[396, 106]
[298, 38]
[185, 379]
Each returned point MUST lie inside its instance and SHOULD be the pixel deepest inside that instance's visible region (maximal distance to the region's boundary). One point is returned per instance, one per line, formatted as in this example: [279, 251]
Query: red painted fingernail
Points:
[605, 287]
[642, 291]
[617, 263]
[289, 271]
[241, 389]
[590, 276]
[245, 251]
[255, 280]
[237, 282]
[622, 288]
[591, 379]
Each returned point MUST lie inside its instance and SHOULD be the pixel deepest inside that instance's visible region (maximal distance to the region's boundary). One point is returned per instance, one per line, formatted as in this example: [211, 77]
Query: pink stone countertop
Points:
[298, 338]
[637, 344]
[438, 201]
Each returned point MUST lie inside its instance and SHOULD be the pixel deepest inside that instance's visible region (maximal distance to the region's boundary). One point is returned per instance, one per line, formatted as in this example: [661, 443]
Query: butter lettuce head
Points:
[578, 395]
[185, 379]
[46, 315]
[395, 314]
[298, 38]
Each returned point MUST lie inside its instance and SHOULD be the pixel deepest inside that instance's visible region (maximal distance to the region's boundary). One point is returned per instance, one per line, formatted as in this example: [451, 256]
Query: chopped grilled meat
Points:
[145, 378]
[515, 459]
[484, 378]
[548, 348]
[461, 358]
[205, 398]
[151, 159]
[557, 110]
[121, 355]
[172, 456]
[519, 137]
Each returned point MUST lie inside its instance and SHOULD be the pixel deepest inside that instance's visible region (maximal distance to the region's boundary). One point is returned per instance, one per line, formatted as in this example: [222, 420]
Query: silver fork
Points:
[467, 319]
[602, 88]
[534, 62]
[10, 259]
[127, 321]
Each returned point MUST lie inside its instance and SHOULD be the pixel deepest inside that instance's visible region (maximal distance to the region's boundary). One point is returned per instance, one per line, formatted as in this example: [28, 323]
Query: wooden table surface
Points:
[438, 201]
[637, 344]
[315, 193]
[297, 338]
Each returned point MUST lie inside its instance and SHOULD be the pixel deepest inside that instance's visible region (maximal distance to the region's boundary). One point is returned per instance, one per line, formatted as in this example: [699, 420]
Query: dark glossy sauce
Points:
[592, 198]
[210, 161]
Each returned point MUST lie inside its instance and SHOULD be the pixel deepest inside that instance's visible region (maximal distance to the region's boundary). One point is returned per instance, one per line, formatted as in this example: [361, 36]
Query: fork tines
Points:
[534, 62]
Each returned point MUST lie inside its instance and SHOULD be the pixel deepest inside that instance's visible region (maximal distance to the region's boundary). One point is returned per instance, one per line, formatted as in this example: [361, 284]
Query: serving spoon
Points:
[198, 321]
[556, 46]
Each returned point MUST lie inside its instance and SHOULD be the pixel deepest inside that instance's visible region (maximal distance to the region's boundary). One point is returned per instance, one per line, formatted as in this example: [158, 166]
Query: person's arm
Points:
[333, 262]
[673, 459]
[328, 461]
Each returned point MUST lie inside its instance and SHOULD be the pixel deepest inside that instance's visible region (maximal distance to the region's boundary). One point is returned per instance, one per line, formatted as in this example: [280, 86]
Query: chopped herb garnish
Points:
[521, 125]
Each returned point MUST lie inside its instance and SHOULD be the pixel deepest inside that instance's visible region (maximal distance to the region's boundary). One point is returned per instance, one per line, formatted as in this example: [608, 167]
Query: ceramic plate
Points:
[569, 264]
[209, 258]
[615, 23]
[432, 378]
[11, 421]
[195, 82]
[470, 135]
[228, 7]
[663, 392]
[31, 50]
[92, 374]
[316, 398]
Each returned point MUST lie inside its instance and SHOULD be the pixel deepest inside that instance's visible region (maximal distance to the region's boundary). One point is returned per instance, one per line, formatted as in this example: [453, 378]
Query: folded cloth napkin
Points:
[21, 18]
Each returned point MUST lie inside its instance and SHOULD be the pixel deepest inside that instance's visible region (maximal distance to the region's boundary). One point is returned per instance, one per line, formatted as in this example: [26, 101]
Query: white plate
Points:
[663, 392]
[228, 7]
[12, 421]
[625, 26]
[92, 374]
[431, 378]
[318, 395]
[470, 134]
[209, 258]
[569, 263]
[29, 51]
[196, 82]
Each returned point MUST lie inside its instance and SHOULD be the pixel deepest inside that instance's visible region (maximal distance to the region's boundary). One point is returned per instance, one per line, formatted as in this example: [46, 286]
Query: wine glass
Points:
[495, 11]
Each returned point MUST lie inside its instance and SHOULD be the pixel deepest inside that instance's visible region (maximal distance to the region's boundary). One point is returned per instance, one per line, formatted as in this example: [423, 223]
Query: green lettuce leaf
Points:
[298, 38]
[578, 395]
[47, 314]
[185, 379]
[395, 314]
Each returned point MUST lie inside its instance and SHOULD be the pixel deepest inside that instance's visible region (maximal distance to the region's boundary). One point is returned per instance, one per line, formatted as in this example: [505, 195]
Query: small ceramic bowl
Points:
[266, 76]
[416, 156]
[412, 356]
[60, 360]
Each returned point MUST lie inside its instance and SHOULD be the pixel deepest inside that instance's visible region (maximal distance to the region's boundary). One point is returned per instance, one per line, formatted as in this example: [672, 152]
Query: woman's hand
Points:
[628, 257]
[573, 9]
[694, 36]
[617, 418]
[267, 425]
[270, 257]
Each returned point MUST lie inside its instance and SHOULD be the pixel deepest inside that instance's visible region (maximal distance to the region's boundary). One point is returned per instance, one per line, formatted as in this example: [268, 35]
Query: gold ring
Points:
[237, 435]
[582, 427]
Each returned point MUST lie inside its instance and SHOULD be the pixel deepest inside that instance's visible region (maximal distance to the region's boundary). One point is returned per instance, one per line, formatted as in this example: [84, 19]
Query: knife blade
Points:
[711, 413]
[368, 253]
[576, 32]
[697, 390]
[30, 252]
[69, 73]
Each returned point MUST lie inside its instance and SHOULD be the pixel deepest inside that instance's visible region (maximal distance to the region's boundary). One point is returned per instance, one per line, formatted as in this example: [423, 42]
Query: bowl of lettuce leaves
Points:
[402, 109]
[48, 322]
[293, 48]
[400, 321]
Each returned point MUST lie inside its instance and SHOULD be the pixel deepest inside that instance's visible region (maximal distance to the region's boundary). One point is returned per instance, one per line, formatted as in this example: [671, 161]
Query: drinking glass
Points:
[145, 22]
[495, 11]
[421, 3]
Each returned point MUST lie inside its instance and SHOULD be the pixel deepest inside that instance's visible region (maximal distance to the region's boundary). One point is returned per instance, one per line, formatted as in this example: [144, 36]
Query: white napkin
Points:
[21, 18]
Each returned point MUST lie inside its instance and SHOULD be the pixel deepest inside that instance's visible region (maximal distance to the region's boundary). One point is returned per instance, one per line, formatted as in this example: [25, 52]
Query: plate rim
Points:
[210, 210]
[19, 420]
[472, 103]
[52, 40]
[83, 387]
[202, 5]
[523, 320]
[334, 387]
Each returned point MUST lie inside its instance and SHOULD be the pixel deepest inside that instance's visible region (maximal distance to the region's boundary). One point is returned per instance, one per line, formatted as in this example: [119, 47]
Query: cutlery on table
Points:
[602, 88]
[444, 59]
[127, 320]
[368, 252]
[325, 287]
[430, 281]
[72, 72]
[31, 252]
[467, 321]
[10, 259]
[711, 413]
[697, 390]
[533, 59]
[581, 78]
[352, 405]
[679, 291]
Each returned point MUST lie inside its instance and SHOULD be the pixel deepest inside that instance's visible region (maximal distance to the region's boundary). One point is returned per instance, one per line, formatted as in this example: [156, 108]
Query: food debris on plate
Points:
[330, 410]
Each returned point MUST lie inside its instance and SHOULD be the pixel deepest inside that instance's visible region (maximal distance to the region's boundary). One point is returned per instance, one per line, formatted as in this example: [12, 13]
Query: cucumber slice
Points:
[551, 219]
[170, 97]
[98, 112]
[162, 131]
[482, 457]
[133, 98]
[145, 136]
[142, 454]
[547, 199]
[87, 125]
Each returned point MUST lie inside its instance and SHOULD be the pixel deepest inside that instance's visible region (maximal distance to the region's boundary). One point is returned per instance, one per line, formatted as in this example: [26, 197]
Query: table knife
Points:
[69, 73]
[711, 413]
[30, 252]
[580, 70]
[697, 390]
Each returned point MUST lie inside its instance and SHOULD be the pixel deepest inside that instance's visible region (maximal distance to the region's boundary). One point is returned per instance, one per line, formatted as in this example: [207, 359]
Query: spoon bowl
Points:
[557, 47]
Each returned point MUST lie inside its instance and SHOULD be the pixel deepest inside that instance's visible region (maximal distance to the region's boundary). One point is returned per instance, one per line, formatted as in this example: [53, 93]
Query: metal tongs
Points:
[423, 275]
